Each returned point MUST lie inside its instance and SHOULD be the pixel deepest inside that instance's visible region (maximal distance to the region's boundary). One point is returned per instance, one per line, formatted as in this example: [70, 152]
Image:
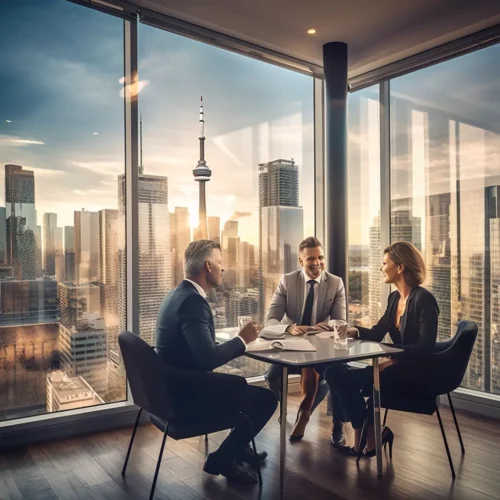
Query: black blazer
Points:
[418, 328]
[185, 334]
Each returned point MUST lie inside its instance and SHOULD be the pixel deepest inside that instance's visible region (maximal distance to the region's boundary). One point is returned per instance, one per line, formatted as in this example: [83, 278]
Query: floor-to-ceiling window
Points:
[257, 134]
[61, 152]
[364, 206]
[445, 178]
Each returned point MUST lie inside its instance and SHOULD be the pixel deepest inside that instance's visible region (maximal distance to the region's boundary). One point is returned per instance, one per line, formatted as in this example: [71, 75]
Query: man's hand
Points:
[250, 331]
[323, 326]
[297, 330]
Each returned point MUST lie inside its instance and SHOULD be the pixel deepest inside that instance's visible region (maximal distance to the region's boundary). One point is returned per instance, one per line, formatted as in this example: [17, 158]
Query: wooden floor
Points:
[88, 467]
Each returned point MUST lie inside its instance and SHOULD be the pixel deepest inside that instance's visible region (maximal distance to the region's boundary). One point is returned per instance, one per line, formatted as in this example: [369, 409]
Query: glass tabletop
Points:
[325, 351]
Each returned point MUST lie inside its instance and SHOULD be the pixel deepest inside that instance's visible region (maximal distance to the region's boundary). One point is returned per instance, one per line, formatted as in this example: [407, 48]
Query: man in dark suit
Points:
[185, 338]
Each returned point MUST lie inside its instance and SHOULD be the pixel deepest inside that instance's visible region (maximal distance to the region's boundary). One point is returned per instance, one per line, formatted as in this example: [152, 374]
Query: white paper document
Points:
[273, 332]
[281, 345]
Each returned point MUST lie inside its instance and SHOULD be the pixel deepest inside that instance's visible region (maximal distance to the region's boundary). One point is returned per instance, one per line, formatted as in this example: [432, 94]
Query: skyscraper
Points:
[202, 175]
[69, 253]
[181, 237]
[82, 334]
[214, 228]
[280, 225]
[108, 273]
[49, 256]
[230, 248]
[3, 235]
[86, 246]
[438, 258]
[60, 265]
[38, 251]
[154, 252]
[20, 221]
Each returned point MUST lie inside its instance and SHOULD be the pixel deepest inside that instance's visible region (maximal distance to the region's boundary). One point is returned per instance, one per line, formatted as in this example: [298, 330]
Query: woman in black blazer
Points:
[411, 319]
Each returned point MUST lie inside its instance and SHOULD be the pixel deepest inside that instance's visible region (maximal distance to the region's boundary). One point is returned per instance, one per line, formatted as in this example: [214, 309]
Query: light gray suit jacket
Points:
[288, 299]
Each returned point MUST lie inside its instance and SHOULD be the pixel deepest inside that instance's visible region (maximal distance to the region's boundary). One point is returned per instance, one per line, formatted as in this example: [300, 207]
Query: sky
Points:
[61, 114]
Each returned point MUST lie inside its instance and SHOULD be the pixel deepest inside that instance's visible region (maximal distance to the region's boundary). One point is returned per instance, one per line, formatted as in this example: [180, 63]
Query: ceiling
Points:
[377, 32]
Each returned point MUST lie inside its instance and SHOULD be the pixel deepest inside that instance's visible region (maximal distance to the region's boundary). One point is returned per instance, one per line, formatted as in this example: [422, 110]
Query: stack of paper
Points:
[273, 332]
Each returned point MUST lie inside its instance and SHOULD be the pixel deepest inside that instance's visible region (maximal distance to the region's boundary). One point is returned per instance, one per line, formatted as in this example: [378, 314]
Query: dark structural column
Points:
[335, 70]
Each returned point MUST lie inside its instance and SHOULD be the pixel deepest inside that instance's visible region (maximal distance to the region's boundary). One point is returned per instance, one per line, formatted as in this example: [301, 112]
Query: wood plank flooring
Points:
[89, 467]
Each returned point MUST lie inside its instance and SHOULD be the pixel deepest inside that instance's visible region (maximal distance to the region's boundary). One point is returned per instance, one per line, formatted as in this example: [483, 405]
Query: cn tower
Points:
[202, 175]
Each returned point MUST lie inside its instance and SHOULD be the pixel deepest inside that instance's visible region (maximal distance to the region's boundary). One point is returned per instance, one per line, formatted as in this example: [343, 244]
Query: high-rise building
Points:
[20, 221]
[76, 302]
[180, 231]
[69, 253]
[108, 273]
[83, 351]
[28, 301]
[214, 228]
[38, 252]
[230, 248]
[86, 246]
[438, 258]
[202, 175]
[82, 334]
[49, 256]
[3, 235]
[280, 225]
[154, 252]
[241, 304]
[246, 265]
[375, 307]
[59, 260]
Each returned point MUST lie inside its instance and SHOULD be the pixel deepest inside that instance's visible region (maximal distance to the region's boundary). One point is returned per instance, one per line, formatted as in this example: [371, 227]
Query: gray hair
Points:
[196, 254]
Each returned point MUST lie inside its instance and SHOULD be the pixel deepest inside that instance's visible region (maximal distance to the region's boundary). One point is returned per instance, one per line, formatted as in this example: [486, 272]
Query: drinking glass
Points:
[339, 333]
[243, 321]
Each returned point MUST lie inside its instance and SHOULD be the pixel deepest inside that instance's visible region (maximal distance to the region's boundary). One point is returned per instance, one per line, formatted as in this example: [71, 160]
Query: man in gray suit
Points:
[307, 299]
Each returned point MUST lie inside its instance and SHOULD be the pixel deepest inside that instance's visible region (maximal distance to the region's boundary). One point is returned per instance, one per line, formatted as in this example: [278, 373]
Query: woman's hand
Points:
[352, 333]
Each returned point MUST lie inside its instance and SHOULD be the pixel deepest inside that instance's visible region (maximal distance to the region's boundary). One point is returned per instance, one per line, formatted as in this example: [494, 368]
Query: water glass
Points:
[339, 333]
[243, 321]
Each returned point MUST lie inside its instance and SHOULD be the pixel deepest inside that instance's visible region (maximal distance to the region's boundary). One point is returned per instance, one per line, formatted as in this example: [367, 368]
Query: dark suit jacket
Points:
[418, 328]
[185, 334]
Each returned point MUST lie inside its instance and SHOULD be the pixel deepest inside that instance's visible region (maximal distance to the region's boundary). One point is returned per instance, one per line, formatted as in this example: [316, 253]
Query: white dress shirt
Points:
[202, 292]
[316, 293]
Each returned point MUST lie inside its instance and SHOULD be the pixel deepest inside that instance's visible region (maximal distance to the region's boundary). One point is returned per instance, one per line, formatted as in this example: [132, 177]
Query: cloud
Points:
[88, 192]
[101, 167]
[9, 140]
[240, 215]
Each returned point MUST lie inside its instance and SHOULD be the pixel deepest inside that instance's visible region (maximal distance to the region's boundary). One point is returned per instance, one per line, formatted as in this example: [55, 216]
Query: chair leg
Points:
[206, 438]
[363, 431]
[254, 447]
[131, 441]
[385, 417]
[158, 464]
[446, 443]
[456, 424]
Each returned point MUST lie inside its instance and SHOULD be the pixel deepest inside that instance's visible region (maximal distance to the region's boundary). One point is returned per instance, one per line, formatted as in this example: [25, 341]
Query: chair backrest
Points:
[148, 376]
[451, 363]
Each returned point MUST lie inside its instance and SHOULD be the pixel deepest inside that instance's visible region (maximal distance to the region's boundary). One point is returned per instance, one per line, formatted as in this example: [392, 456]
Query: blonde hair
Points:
[405, 254]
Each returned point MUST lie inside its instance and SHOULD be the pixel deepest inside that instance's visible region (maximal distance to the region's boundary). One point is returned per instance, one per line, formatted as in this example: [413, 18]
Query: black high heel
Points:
[387, 438]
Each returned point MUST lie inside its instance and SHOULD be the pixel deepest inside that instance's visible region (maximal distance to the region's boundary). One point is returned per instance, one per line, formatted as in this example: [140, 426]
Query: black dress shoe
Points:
[233, 472]
[250, 458]
[338, 435]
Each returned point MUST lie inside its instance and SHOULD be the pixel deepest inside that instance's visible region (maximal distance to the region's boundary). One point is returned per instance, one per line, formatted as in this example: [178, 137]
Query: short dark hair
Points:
[196, 254]
[405, 254]
[309, 242]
